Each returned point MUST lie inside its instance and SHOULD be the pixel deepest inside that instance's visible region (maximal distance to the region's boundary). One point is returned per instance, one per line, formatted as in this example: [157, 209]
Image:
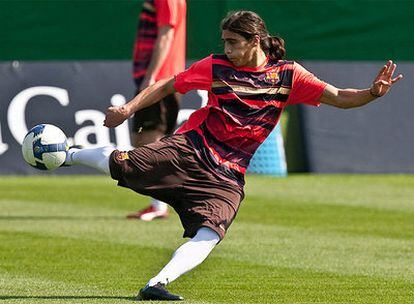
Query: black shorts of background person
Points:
[161, 116]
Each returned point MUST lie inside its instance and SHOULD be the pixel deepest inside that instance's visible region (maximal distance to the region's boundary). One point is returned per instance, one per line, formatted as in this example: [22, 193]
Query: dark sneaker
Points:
[157, 293]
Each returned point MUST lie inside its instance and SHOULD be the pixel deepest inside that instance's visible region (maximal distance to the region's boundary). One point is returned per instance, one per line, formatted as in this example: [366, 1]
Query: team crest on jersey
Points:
[272, 77]
[122, 156]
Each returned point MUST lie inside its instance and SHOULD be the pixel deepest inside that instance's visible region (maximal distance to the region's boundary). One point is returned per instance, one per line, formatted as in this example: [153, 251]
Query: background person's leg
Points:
[150, 125]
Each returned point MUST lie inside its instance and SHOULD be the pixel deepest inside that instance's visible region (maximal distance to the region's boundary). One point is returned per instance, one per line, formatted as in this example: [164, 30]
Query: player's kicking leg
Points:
[97, 158]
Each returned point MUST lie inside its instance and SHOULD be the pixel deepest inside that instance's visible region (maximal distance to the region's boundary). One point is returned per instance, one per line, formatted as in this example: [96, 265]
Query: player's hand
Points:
[383, 82]
[115, 116]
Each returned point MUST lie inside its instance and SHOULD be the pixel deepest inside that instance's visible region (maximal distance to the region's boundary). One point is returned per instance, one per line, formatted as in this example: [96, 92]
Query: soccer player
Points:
[200, 169]
[159, 52]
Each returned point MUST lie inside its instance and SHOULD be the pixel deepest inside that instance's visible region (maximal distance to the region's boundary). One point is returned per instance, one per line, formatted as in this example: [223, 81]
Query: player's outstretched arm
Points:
[154, 93]
[351, 98]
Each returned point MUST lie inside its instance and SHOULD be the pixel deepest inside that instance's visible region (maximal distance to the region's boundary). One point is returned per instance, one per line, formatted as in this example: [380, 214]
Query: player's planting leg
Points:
[188, 256]
[97, 158]
[185, 258]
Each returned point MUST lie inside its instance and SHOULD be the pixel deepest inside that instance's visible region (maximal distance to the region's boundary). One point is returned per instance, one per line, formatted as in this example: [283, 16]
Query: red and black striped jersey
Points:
[154, 14]
[244, 105]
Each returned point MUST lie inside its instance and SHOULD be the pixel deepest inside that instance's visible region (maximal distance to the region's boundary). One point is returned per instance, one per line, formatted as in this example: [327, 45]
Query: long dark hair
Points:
[248, 24]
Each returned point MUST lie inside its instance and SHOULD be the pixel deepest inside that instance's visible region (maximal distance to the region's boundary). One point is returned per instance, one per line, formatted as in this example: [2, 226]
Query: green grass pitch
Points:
[302, 239]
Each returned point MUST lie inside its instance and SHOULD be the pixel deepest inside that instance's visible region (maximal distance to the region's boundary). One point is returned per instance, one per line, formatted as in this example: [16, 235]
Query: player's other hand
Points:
[384, 80]
[115, 116]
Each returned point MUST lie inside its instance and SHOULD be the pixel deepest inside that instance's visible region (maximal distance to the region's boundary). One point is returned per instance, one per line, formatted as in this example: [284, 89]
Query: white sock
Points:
[188, 256]
[159, 205]
[97, 158]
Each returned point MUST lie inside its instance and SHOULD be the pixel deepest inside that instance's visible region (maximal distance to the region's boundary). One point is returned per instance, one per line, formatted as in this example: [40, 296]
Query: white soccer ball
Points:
[44, 147]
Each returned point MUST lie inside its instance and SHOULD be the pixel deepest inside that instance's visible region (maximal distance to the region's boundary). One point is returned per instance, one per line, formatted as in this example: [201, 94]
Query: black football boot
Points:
[158, 293]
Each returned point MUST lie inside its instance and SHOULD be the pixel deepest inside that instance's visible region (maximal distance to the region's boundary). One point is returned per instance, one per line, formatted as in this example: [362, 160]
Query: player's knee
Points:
[206, 234]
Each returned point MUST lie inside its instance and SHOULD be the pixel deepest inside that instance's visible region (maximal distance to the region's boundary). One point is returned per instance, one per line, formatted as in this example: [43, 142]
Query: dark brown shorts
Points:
[170, 171]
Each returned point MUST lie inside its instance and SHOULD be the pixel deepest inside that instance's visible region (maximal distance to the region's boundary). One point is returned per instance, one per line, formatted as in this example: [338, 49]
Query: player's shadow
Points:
[5, 298]
[56, 217]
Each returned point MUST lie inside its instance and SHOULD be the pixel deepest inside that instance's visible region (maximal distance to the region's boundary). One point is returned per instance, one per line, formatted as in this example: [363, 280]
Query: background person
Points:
[159, 52]
[200, 169]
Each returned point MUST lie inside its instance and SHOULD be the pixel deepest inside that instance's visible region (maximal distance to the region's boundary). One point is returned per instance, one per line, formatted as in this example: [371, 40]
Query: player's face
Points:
[238, 49]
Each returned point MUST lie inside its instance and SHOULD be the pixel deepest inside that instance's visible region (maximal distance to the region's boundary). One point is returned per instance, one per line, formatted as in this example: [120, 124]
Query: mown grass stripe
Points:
[109, 272]
[303, 239]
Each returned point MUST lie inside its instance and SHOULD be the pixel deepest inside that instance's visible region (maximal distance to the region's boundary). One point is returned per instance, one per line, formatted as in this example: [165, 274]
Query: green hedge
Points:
[318, 30]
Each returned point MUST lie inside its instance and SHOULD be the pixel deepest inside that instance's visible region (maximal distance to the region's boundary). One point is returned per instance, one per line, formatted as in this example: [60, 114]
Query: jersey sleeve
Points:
[197, 77]
[167, 12]
[306, 87]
